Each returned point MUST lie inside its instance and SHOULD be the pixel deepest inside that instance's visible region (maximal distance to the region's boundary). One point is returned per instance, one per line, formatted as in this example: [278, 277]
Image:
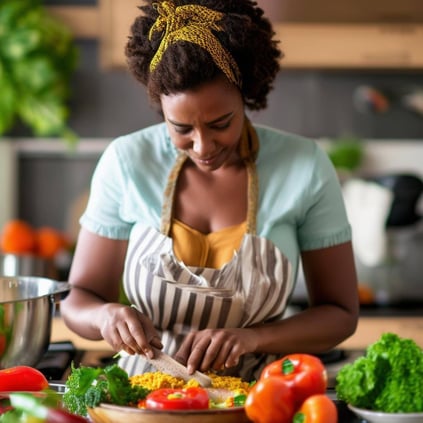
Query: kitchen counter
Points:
[368, 331]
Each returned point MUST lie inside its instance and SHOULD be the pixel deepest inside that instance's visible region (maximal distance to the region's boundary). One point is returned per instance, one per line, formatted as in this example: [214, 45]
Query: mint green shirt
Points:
[300, 201]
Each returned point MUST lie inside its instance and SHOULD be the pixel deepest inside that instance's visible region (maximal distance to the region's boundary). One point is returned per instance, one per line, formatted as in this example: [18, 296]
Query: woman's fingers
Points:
[125, 328]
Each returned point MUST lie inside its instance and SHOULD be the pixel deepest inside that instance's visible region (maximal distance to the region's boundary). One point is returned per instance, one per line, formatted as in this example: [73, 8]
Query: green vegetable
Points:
[37, 59]
[388, 378]
[90, 386]
[346, 153]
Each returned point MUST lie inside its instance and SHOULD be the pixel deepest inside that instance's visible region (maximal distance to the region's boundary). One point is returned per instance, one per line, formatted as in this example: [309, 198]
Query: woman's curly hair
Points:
[247, 36]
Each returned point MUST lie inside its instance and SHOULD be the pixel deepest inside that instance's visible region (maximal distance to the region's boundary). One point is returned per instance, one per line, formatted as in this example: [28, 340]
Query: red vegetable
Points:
[22, 378]
[317, 409]
[270, 400]
[56, 415]
[305, 374]
[193, 398]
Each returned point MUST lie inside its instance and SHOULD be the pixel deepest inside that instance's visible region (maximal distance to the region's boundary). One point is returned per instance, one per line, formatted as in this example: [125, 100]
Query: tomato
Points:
[22, 378]
[270, 400]
[193, 398]
[317, 409]
[305, 374]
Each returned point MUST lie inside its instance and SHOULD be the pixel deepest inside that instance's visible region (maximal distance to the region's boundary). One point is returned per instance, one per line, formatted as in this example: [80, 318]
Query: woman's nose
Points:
[203, 144]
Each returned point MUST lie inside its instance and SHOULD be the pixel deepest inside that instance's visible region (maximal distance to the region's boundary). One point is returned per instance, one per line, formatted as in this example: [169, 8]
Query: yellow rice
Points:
[158, 380]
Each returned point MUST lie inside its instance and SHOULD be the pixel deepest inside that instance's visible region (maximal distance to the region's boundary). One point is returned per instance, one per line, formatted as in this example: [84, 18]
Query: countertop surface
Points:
[369, 330]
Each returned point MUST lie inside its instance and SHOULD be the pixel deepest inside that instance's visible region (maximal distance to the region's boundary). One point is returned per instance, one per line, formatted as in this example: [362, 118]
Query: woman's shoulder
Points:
[150, 146]
[152, 138]
[284, 147]
[273, 138]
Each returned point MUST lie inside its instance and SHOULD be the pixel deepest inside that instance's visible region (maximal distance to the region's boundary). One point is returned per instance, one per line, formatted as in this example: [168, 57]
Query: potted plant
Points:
[37, 59]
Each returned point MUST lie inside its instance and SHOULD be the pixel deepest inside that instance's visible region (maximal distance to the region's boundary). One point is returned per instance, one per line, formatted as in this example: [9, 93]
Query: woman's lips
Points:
[206, 160]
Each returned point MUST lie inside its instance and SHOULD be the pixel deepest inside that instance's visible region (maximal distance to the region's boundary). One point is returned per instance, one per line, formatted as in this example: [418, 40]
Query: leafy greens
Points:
[389, 378]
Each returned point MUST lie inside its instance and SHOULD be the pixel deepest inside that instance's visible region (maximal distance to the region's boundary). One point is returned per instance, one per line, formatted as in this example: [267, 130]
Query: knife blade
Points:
[166, 364]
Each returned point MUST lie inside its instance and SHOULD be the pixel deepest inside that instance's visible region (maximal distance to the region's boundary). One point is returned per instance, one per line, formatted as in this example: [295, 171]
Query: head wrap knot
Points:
[193, 23]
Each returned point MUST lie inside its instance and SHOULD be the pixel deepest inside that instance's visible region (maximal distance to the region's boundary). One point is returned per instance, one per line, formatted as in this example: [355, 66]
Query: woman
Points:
[207, 216]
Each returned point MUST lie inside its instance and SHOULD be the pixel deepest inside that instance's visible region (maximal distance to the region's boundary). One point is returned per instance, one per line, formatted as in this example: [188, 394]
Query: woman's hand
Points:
[125, 328]
[216, 348]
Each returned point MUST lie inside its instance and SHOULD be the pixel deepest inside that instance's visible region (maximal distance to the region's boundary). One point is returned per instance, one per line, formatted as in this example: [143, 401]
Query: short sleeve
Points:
[103, 214]
[324, 220]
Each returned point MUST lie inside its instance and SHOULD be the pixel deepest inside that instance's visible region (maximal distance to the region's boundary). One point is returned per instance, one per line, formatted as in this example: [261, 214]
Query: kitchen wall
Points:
[106, 104]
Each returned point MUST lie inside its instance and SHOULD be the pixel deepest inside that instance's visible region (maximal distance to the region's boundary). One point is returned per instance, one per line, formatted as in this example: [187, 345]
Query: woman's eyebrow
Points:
[212, 122]
[219, 119]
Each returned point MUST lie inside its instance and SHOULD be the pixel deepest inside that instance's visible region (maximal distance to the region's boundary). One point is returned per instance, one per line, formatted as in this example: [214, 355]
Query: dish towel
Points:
[368, 205]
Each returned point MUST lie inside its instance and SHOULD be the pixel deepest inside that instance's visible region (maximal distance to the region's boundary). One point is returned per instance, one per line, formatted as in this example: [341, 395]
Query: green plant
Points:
[37, 59]
[346, 153]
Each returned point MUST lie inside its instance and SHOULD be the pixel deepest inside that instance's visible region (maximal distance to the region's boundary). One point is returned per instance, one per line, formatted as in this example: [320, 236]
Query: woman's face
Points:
[206, 123]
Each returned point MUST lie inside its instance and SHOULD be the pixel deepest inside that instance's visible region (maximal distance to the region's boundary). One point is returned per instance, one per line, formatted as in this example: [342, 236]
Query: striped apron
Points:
[250, 289]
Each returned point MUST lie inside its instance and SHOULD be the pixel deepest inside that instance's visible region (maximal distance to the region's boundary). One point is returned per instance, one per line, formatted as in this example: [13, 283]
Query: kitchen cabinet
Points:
[324, 34]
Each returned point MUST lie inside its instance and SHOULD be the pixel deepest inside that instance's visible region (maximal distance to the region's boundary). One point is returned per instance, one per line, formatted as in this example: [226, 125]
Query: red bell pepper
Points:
[317, 409]
[22, 378]
[270, 400]
[305, 374]
[194, 398]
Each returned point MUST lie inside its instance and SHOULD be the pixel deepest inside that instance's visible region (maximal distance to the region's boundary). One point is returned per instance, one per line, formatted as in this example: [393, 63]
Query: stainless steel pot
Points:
[24, 265]
[27, 306]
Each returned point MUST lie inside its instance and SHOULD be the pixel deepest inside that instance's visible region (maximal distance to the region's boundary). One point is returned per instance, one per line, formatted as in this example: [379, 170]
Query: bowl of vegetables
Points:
[109, 395]
[113, 413]
[386, 383]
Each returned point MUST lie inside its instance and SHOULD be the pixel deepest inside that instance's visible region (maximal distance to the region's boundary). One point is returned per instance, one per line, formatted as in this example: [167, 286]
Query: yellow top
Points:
[206, 250]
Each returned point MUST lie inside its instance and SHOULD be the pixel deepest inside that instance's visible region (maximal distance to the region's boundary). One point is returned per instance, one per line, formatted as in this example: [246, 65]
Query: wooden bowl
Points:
[107, 413]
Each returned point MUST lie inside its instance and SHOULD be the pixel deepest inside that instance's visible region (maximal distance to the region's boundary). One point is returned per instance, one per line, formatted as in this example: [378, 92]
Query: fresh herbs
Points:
[90, 386]
[389, 378]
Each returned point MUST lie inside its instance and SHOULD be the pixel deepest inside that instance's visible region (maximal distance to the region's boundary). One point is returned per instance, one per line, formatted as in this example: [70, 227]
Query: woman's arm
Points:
[91, 309]
[331, 317]
[333, 306]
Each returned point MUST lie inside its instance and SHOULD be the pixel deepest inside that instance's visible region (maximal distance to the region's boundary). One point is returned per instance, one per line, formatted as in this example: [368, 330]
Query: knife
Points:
[166, 364]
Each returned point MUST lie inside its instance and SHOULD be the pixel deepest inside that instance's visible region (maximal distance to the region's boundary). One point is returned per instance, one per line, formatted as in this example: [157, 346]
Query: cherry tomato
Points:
[305, 374]
[270, 400]
[193, 398]
[22, 378]
[317, 409]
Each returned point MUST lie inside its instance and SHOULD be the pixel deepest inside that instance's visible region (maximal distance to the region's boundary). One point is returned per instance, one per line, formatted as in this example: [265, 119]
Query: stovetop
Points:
[56, 362]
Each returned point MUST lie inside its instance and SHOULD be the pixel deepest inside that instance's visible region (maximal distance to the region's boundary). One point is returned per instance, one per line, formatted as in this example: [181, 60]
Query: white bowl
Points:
[380, 417]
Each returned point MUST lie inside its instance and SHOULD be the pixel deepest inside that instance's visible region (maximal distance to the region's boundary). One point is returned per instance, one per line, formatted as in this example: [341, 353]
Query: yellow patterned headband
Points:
[193, 23]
